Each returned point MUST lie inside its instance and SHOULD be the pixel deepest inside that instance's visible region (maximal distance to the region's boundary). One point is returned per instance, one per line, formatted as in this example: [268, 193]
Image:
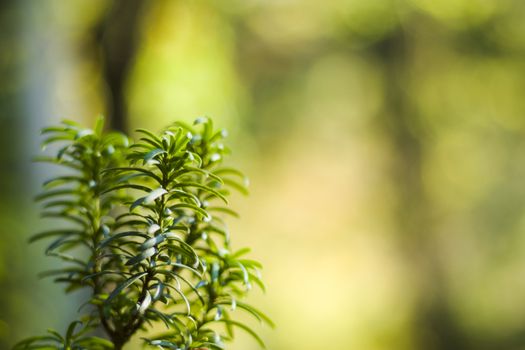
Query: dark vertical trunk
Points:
[434, 324]
[118, 345]
[117, 39]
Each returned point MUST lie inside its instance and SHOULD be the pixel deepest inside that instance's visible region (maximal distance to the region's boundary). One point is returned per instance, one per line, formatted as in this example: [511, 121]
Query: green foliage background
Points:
[384, 140]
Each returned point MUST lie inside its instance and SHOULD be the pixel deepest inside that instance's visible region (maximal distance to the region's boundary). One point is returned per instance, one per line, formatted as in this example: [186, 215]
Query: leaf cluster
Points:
[144, 232]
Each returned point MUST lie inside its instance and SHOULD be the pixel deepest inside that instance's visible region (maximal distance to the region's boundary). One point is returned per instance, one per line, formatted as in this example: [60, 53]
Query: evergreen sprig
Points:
[145, 235]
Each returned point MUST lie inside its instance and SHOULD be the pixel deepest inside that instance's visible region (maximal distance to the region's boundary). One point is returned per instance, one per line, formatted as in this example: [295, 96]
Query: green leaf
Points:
[124, 285]
[95, 343]
[70, 331]
[106, 272]
[69, 270]
[152, 154]
[55, 161]
[250, 263]
[145, 303]
[27, 344]
[71, 123]
[178, 194]
[163, 344]
[182, 295]
[120, 235]
[67, 257]
[61, 203]
[135, 169]
[56, 335]
[52, 233]
[53, 139]
[241, 252]
[207, 345]
[143, 255]
[152, 242]
[152, 137]
[64, 241]
[53, 129]
[64, 215]
[202, 187]
[188, 248]
[59, 180]
[117, 139]
[127, 186]
[54, 193]
[83, 133]
[223, 210]
[201, 120]
[195, 208]
[204, 172]
[168, 321]
[232, 171]
[239, 187]
[99, 125]
[156, 193]
[182, 266]
[245, 328]
[259, 315]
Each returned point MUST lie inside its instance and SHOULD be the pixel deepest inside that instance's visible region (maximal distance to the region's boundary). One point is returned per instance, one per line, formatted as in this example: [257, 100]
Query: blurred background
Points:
[384, 139]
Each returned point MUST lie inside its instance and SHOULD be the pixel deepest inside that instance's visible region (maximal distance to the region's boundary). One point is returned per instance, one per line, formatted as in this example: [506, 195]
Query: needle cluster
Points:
[142, 229]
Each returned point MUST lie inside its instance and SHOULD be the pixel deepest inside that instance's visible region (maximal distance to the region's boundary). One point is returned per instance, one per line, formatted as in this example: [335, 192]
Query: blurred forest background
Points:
[384, 139]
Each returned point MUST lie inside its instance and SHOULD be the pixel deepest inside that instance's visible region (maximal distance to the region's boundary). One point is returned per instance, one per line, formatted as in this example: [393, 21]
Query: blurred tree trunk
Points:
[116, 39]
[434, 326]
[117, 36]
